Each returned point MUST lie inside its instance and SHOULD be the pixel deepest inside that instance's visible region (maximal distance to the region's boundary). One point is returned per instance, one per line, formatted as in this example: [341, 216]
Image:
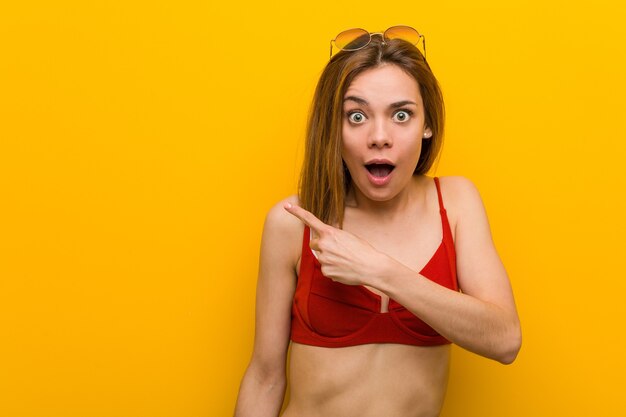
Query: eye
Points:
[356, 117]
[402, 115]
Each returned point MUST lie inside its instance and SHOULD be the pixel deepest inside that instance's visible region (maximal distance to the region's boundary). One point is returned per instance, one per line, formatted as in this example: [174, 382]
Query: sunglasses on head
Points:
[355, 39]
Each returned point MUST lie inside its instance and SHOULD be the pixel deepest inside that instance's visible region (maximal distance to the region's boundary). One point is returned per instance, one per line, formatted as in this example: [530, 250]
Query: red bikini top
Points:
[330, 314]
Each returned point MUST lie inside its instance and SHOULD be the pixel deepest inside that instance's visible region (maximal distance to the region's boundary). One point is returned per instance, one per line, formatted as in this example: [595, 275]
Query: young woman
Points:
[374, 268]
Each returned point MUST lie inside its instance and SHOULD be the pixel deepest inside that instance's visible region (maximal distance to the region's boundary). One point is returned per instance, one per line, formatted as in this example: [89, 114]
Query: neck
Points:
[387, 209]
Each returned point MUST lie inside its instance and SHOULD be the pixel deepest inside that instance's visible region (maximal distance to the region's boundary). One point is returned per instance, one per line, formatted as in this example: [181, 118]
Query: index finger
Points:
[307, 218]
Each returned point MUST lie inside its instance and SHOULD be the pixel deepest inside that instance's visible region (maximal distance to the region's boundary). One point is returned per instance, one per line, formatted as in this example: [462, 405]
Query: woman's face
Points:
[383, 127]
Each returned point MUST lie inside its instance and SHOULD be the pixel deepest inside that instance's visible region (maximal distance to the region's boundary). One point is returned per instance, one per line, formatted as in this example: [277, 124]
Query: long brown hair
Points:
[324, 179]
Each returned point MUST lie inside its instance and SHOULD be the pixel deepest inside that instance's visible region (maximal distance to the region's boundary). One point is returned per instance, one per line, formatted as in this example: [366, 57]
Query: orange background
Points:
[141, 144]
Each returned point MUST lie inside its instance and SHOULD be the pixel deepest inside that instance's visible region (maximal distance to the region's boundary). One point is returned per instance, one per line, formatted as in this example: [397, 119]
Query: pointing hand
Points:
[343, 257]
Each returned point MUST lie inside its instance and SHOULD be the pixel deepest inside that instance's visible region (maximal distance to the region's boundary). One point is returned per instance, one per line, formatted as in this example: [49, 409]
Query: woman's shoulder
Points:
[281, 221]
[460, 196]
[281, 243]
[457, 188]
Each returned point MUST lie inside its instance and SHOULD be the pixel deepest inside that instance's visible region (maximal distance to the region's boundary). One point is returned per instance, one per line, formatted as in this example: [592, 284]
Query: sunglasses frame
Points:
[384, 36]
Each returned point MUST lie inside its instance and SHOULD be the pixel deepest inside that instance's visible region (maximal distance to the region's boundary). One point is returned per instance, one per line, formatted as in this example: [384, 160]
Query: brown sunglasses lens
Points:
[352, 40]
[403, 32]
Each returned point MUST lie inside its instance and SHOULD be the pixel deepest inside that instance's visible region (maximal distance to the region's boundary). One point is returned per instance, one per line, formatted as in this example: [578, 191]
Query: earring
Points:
[427, 135]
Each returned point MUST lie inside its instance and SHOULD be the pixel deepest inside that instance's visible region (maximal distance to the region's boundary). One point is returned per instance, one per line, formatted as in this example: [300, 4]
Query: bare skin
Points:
[398, 380]
[390, 232]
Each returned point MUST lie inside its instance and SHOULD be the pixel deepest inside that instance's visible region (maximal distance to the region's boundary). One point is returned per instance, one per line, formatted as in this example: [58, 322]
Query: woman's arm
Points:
[482, 319]
[263, 386]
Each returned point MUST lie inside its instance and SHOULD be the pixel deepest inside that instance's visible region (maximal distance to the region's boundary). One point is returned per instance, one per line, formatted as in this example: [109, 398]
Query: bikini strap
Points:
[441, 207]
[448, 240]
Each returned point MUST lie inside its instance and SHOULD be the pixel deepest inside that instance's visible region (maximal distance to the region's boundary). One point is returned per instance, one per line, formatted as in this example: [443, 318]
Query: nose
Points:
[380, 136]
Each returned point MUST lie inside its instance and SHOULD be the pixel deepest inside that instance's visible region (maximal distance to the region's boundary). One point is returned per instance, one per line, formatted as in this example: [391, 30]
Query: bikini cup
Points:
[336, 310]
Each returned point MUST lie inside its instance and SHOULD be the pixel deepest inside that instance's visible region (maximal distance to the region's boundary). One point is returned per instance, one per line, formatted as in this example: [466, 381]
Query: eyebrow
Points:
[364, 102]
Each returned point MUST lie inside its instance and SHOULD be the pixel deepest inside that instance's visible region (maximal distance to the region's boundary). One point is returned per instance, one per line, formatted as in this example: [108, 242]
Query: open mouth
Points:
[379, 170]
